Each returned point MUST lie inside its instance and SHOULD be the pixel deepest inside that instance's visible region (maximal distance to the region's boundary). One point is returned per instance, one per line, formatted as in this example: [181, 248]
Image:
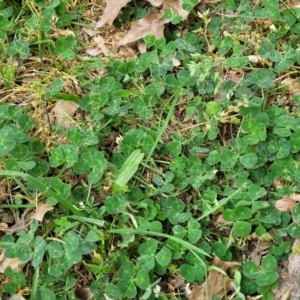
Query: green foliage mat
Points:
[172, 160]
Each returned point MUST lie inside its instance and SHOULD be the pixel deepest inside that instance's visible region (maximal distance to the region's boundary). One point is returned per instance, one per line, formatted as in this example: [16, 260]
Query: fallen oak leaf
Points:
[215, 284]
[111, 11]
[153, 24]
[41, 210]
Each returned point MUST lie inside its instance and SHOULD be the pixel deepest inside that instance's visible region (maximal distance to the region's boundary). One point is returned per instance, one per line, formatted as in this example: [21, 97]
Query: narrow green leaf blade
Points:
[129, 168]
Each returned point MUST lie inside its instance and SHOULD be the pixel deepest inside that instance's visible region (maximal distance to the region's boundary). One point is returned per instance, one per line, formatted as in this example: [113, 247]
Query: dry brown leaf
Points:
[113, 8]
[259, 251]
[83, 293]
[90, 32]
[7, 218]
[285, 204]
[295, 197]
[142, 47]
[111, 11]
[5, 262]
[156, 3]
[290, 4]
[220, 220]
[98, 47]
[229, 76]
[20, 224]
[178, 282]
[215, 284]
[3, 193]
[153, 23]
[3, 226]
[292, 84]
[63, 111]
[177, 5]
[203, 3]
[40, 211]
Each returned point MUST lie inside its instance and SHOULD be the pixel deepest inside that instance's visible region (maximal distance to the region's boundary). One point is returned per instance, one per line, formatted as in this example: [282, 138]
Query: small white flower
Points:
[82, 205]
[187, 289]
[119, 139]
[156, 291]
[253, 58]
[273, 28]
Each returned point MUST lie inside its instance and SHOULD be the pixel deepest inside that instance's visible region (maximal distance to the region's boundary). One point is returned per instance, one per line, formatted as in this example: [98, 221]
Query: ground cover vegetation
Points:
[148, 162]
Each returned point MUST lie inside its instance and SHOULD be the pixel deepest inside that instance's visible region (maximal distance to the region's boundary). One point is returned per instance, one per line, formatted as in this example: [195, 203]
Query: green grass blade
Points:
[97, 222]
[129, 168]
[45, 189]
[165, 125]
[35, 283]
[195, 250]
[220, 204]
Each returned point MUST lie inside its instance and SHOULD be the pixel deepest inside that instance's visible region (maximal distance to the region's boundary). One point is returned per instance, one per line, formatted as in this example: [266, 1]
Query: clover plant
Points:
[171, 159]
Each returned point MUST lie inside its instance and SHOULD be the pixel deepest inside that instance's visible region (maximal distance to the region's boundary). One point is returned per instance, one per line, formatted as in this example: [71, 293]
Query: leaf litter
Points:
[41, 209]
[286, 203]
[153, 23]
[216, 283]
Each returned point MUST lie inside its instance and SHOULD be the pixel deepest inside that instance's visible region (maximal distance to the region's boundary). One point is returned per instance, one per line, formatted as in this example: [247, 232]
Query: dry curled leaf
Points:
[142, 47]
[153, 24]
[20, 224]
[215, 284]
[261, 248]
[5, 262]
[40, 211]
[285, 204]
[111, 11]
[178, 282]
[98, 47]
[63, 111]
[292, 85]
